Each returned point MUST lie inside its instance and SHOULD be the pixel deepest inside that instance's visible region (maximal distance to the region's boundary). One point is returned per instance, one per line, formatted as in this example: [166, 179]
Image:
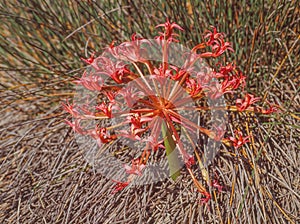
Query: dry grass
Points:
[44, 177]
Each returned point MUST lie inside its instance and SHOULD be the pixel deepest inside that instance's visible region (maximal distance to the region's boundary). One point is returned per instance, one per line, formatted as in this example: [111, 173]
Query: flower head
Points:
[119, 186]
[169, 31]
[239, 139]
[152, 104]
[243, 104]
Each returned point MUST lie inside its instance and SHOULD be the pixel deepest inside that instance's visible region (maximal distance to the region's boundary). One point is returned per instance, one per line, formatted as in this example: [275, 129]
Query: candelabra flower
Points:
[154, 102]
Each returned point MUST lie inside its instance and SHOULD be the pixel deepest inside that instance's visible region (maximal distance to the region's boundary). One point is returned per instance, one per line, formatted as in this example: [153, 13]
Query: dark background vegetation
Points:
[44, 177]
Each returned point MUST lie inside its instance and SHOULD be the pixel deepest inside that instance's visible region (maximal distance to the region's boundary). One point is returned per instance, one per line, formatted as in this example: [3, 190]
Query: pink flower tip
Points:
[119, 186]
[206, 198]
[89, 60]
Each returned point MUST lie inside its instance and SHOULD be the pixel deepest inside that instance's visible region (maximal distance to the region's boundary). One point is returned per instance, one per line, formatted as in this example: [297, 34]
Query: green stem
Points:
[172, 154]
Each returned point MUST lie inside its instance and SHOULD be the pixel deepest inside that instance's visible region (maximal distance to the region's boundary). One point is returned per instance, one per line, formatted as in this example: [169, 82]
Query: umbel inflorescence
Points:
[150, 93]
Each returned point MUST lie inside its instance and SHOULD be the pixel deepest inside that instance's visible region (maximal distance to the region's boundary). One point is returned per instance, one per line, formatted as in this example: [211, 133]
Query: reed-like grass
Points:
[43, 175]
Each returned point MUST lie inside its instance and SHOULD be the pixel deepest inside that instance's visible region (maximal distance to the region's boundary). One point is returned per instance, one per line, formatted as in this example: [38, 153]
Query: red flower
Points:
[216, 184]
[239, 80]
[119, 186]
[106, 108]
[161, 74]
[168, 35]
[70, 108]
[136, 125]
[231, 75]
[217, 43]
[179, 73]
[102, 135]
[118, 74]
[188, 160]
[213, 36]
[89, 60]
[206, 198]
[169, 26]
[137, 98]
[225, 71]
[245, 103]
[135, 168]
[154, 143]
[130, 96]
[272, 109]
[193, 87]
[216, 90]
[75, 125]
[132, 50]
[117, 70]
[111, 96]
[220, 48]
[239, 140]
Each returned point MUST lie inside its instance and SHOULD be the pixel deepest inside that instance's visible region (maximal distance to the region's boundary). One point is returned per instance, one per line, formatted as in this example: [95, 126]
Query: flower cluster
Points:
[146, 96]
